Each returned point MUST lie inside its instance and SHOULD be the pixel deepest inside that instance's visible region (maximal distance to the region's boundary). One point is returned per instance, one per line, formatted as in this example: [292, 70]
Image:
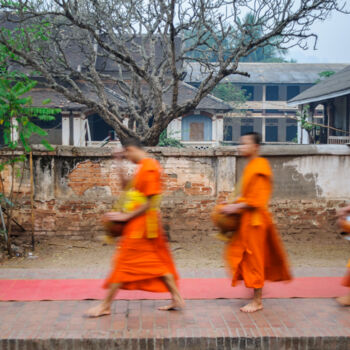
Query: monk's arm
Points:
[257, 197]
[123, 217]
[343, 211]
[142, 209]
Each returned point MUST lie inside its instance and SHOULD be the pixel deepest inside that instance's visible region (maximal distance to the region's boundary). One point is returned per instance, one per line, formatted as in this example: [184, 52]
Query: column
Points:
[214, 129]
[302, 133]
[220, 129]
[263, 97]
[263, 129]
[282, 129]
[65, 128]
[76, 129]
[14, 130]
[300, 130]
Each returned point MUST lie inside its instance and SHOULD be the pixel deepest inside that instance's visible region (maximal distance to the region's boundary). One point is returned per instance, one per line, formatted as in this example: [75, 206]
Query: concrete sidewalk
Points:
[206, 324]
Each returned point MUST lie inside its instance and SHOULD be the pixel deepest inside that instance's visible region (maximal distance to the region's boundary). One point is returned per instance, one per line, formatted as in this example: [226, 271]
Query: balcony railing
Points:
[338, 140]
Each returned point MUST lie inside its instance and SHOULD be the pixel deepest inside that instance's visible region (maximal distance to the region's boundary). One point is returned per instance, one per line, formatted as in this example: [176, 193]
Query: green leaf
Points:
[47, 145]
[47, 101]
[36, 129]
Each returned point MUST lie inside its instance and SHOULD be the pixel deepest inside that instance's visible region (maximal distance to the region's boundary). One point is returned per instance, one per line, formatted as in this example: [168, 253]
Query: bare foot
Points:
[344, 301]
[98, 311]
[252, 307]
[177, 304]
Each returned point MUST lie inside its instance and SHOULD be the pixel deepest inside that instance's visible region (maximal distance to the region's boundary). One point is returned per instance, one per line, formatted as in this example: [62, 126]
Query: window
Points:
[228, 133]
[249, 92]
[196, 128]
[291, 130]
[271, 130]
[292, 91]
[247, 125]
[99, 129]
[53, 129]
[272, 93]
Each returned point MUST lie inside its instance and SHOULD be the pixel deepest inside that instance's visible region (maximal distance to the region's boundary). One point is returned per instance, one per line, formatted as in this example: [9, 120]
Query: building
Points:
[268, 89]
[79, 126]
[333, 94]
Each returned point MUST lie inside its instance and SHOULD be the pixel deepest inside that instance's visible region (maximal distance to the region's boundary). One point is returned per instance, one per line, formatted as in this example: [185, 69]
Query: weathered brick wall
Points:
[73, 187]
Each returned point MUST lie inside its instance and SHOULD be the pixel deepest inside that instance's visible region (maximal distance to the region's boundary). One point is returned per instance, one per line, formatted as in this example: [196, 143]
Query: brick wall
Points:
[73, 187]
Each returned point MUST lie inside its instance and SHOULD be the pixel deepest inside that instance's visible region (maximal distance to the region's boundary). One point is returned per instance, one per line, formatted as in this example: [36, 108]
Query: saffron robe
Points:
[256, 253]
[346, 279]
[139, 261]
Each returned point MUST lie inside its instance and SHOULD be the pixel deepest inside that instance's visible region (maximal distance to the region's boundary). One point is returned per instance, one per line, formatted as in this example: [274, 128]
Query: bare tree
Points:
[126, 59]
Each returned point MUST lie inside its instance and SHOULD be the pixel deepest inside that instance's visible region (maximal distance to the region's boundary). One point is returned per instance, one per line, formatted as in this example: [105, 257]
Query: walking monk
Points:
[143, 260]
[255, 253]
[343, 221]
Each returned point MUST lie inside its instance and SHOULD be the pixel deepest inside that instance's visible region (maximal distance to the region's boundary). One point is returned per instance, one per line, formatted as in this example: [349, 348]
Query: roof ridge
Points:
[217, 99]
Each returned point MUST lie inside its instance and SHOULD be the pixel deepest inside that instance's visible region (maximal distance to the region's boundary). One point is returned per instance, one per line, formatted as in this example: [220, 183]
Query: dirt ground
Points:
[63, 253]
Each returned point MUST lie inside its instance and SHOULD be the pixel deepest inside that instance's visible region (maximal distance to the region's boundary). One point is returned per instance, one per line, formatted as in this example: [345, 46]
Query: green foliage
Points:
[17, 114]
[230, 93]
[324, 75]
[268, 53]
[302, 117]
[165, 141]
[208, 51]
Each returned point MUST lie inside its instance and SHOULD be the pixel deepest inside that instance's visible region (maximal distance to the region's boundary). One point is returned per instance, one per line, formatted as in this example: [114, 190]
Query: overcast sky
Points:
[333, 42]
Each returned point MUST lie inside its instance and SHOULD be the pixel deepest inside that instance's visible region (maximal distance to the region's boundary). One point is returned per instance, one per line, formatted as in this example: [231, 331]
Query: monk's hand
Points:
[342, 212]
[118, 216]
[231, 209]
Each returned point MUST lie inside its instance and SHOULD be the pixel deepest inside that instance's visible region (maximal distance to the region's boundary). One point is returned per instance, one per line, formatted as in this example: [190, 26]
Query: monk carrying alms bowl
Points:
[113, 229]
[227, 224]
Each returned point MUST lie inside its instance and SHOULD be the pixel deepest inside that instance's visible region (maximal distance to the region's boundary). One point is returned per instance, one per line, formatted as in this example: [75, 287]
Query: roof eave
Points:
[318, 98]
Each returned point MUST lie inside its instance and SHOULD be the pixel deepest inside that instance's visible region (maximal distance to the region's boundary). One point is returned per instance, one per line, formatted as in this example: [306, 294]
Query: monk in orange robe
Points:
[344, 300]
[143, 260]
[255, 253]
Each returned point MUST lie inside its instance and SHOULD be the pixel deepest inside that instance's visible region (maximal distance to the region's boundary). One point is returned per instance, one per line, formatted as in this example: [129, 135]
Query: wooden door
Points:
[196, 131]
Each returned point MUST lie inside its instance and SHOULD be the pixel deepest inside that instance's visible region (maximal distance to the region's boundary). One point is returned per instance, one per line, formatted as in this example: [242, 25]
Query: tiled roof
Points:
[336, 85]
[268, 73]
[186, 92]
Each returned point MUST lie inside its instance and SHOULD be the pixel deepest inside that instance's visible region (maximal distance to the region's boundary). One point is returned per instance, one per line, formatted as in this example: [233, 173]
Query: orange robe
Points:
[139, 261]
[256, 253]
[346, 279]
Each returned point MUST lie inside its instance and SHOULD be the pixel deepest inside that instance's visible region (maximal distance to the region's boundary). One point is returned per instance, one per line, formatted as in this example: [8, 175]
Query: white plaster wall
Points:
[330, 173]
[220, 129]
[174, 129]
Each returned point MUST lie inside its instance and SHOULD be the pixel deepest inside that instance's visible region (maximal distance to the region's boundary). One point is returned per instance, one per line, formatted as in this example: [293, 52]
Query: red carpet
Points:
[197, 288]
